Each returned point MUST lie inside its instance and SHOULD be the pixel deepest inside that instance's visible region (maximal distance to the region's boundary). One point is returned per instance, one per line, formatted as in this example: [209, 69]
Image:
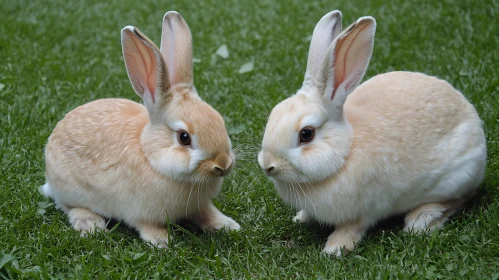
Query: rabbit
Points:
[145, 165]
[348, 155]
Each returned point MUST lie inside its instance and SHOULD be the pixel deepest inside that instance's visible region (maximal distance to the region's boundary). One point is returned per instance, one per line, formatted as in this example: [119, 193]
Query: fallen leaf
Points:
[248, 67]
[223, 51]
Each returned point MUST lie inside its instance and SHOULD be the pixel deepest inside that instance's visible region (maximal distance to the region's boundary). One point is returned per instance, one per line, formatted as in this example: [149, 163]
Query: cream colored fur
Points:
[400, 142]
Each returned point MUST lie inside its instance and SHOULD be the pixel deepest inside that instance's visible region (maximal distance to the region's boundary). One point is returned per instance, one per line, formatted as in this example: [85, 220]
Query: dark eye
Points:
[307, 134]
[184, 138]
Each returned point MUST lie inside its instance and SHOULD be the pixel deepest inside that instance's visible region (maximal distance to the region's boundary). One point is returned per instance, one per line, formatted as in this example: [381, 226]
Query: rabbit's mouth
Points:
[288, 177]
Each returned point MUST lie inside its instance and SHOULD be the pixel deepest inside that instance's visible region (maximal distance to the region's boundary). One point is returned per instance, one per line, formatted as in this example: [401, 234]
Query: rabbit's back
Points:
[411, 112]
[97, 135]
[412, 130]
[94, 148]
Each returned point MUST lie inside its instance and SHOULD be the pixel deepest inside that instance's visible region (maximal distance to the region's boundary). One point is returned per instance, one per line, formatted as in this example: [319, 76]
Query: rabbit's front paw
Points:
[301, 217]
[155, 235]
[225, 222]
[86, 221]
[337, 250]
[211, 218]
[345, 238]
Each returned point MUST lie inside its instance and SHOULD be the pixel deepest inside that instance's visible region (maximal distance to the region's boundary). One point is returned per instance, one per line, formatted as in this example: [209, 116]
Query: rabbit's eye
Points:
[184, 138]
[307, 134]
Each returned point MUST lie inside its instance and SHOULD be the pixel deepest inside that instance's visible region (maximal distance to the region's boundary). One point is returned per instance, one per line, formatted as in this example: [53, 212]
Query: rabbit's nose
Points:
[270, 170]
[218, 170]
[222, 165]
[267, 163]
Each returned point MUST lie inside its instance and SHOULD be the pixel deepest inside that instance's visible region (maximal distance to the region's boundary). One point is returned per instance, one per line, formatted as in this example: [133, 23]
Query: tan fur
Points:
[119, 159]
[103, 137]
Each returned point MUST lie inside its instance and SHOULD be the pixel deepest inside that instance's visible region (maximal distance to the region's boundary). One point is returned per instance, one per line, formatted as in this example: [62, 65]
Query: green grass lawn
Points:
[56, 55]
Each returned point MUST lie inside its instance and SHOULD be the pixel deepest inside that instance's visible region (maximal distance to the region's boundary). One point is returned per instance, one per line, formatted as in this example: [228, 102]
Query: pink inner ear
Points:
[339, 67]
[342, 67]
[146, 64]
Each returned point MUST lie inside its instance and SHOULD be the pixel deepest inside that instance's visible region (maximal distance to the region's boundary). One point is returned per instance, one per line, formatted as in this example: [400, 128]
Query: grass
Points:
[56, 55]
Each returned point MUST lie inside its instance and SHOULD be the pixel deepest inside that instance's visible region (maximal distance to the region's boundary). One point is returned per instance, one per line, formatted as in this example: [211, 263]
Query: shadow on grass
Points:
[182, 229]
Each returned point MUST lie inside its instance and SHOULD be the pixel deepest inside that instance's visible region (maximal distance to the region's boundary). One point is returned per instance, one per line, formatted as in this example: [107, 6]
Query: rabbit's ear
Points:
[347, 60]
[176, 48]
[328, 28]
[145, 67]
